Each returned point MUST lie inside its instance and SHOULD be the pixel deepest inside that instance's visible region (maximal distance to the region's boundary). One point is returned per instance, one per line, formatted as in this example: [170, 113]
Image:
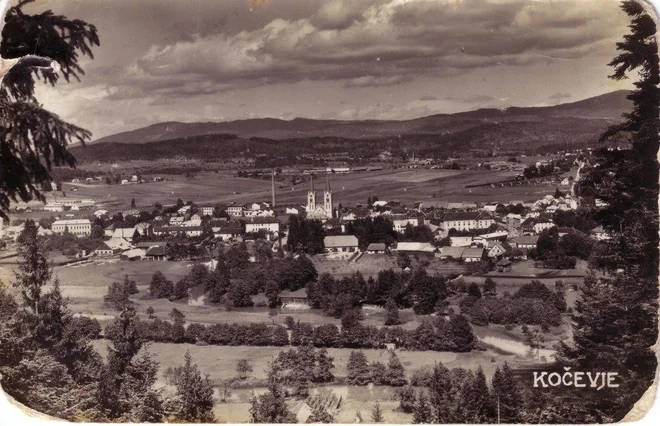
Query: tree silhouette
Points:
[34, 139]
[615, 320]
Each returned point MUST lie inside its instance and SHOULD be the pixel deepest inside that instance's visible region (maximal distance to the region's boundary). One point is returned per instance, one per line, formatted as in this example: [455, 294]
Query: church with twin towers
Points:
[317, 210]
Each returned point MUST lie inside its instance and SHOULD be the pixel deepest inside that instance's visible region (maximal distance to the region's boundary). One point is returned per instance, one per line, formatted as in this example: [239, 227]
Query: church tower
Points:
[327, 198]
[311, 196]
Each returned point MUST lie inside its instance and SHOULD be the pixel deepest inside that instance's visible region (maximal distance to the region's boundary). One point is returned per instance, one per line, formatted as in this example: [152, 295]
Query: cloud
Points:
[375, 44]
[376, 81]
[559, 96]
[479, 98]
[340, 14]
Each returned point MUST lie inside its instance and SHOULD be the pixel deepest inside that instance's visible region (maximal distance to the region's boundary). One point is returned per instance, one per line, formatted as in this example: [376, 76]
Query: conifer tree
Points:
[127, 381]
[439, 388]
[324, 366]
[391, 313]
[270, 407]
[477, 399]
[406, 399]
[422, 413]
[396, 375]
[506, 397]
[34, 271]
[194, 394]
[616, 319]
[377, 413]
[358, 369]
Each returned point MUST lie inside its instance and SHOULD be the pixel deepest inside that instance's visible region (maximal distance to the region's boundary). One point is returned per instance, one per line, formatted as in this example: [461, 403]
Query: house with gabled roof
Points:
[104, 250]
[525, 242]
[411, 247]
[448, 252]
[497, 249]
[376, 248]
[340, 244]
[473, 254]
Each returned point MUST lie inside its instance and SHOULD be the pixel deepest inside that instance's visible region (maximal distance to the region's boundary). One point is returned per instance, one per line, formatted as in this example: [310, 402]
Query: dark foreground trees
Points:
[615, 321]
[34, 139]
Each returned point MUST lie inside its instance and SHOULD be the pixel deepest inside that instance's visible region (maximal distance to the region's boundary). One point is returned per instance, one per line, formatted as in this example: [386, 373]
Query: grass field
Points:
[220, 362]
[405, 185]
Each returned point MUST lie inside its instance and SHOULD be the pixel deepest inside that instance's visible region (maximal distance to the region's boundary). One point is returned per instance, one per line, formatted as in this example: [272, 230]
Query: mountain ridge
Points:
[608, 106]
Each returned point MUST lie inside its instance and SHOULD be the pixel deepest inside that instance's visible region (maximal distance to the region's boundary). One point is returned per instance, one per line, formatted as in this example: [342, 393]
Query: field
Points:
[405, 185]
[220, 362]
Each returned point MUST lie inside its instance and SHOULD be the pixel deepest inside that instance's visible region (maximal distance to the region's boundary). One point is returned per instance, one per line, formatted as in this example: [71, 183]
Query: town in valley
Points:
[329, 211]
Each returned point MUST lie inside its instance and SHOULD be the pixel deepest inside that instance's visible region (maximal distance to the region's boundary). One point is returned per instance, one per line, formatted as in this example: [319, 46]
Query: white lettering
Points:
[538, 378]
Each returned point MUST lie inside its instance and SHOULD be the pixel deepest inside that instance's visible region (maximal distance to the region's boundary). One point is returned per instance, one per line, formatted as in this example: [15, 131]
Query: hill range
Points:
[523, 129]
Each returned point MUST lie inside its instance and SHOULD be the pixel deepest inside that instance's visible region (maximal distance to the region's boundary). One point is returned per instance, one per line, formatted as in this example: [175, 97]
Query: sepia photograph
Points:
[329, 211]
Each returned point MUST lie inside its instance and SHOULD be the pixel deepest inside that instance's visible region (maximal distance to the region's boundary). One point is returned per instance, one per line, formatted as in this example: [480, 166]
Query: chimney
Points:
[273, 190]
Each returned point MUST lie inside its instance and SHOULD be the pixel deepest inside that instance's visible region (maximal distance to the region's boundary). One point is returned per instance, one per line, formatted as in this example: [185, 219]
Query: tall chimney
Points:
[273, 189]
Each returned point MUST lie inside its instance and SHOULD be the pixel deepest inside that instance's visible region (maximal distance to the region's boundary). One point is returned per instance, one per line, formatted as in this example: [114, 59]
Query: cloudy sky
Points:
[218, 60]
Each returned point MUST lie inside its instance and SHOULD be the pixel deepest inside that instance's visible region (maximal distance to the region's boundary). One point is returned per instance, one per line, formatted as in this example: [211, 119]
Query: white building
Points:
[207, 211]
[74, 226]
[268, 224]
[235, 210]
[54, 207]
[400, 222]
[340, 244]
[465, 221]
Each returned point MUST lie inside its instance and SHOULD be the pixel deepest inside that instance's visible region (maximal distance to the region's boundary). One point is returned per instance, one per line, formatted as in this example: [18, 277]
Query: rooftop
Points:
[333, 241]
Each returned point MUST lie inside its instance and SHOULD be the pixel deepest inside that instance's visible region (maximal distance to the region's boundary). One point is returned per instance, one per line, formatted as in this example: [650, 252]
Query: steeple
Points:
[311, 196]
[327, 197]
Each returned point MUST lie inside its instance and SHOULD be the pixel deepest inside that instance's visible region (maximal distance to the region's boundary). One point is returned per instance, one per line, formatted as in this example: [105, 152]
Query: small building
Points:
[227, 233]
[207, 211]
[268, 224]
[54, 207]
[561, 231]
[525, 242]
[235, 210]
[412, 247]
[473, 254]
[600, 234]
[376, 248]
[450, 252]
[126, 233]
[104, 250]
[341, 244]
[119, 244]
[496, 250]
[156, 253]
[400, 223]
[295, 299]
[301, 410]
[460, 241]
[133, 254]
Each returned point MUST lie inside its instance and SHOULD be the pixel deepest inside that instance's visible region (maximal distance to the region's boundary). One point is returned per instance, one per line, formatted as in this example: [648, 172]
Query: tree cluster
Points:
[463, 396]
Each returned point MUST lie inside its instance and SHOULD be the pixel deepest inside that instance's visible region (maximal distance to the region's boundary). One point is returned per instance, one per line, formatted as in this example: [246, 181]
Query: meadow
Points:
[405, 185]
